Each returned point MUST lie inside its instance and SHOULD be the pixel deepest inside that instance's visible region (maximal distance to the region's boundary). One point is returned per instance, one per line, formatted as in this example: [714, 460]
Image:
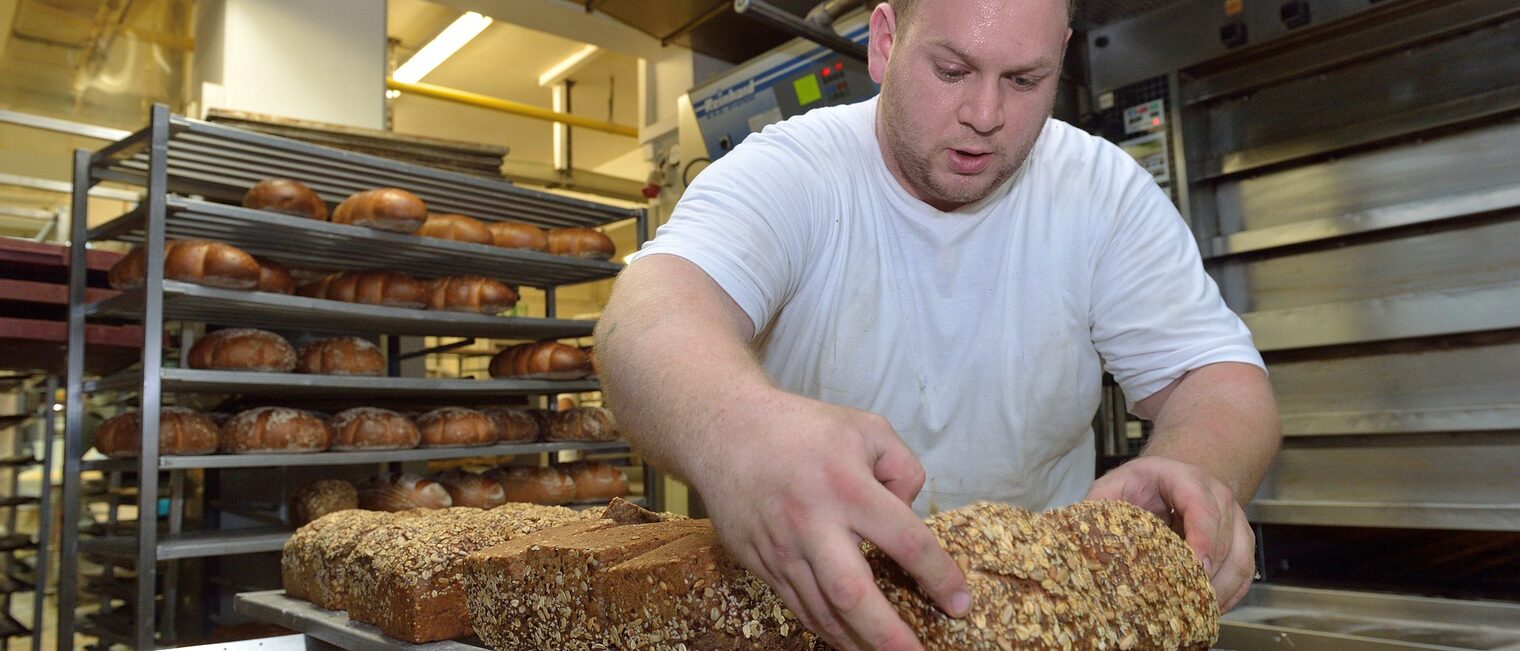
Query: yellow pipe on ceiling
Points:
[509, 106]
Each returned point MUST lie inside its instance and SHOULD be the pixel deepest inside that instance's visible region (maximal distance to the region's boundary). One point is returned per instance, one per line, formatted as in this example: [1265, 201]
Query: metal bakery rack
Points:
[185, 168]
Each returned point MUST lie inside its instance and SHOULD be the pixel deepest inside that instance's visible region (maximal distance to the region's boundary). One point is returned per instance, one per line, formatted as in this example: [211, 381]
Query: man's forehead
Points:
[1029, 29]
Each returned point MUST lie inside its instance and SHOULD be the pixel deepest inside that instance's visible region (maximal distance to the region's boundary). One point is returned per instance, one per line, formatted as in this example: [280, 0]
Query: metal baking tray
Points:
[332, 626]
[310, 244]
[189, 302]
[358, 457]
[183, 380]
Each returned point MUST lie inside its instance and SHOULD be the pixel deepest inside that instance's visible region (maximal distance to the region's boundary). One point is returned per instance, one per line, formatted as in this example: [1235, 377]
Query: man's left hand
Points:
[1200, 508]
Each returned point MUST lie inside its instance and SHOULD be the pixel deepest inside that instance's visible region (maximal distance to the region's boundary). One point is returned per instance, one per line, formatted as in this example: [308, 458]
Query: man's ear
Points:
[883, 35]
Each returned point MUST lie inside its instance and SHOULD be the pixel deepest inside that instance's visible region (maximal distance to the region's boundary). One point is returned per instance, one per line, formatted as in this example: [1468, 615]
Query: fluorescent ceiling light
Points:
[443, 46]
[557, 72]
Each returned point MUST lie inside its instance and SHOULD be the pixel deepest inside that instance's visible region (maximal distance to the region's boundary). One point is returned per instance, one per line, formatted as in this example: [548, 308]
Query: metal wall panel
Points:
[1400, 381]
[1453, 474]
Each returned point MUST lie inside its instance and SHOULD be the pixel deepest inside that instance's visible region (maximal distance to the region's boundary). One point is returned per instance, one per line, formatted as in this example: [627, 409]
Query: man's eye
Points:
[950, 75]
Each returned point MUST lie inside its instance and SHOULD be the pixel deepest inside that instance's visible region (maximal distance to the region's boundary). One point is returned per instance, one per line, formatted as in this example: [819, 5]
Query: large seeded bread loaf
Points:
[316, 552]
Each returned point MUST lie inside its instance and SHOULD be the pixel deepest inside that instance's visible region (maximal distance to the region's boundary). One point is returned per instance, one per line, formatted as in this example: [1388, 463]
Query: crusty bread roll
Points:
[273, 278]
[514, 235]
[341, 356]
[582, 424]
[386, 288]
[450, 427]
[243, 349]
[457, 228]
[371, 428]
[321, 497]
[180, 432]
[534, 484]
[285, 196]
[469, 489]
[386, 209]
[396, 491]
[549, 360]
[275, 430]
[581, 243]
[597, 480]
[515, 424]
[471, 294]
[193, 261]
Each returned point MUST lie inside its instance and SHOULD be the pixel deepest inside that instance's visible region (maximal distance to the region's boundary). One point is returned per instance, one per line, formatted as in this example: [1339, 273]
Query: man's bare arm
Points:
[793, 484]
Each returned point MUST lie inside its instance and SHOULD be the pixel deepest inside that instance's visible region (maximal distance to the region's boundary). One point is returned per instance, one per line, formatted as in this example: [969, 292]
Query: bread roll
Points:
[243, 349]
[285, 196]
[386, 288]
[581, 243]
[275, 430]
[386, 209]
[193, 261]
[273, 278]
[396, 491]
[370, 428]
[180, 432]
[450, 427]
[469, 489]
[534, 484]
[582, 424]
[471, 294]
[515, 425]
[341, 356]
[597, 480]
[456, 227]
[547, 360]
[321, 497]
[512, 235]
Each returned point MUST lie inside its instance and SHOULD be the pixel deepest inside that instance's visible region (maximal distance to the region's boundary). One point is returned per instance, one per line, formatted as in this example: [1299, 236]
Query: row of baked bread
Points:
[216, 264]
[396, 210]
[276, 430]
[557, 485]
[248, 349]
[1096, 575]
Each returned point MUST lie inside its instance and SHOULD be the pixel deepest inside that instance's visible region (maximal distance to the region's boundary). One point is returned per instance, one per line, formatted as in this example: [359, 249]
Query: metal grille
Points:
[222, 163]
[1092, 13]
[309, 244]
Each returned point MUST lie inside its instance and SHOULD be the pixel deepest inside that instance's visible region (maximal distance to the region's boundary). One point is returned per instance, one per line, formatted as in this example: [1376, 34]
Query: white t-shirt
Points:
[980, 334]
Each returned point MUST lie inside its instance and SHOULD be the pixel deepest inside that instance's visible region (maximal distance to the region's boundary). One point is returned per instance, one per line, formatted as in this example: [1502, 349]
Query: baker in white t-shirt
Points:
[871, 311]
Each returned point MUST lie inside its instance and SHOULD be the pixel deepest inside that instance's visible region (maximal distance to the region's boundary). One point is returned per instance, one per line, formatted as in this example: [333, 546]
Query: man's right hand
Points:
[793, 496]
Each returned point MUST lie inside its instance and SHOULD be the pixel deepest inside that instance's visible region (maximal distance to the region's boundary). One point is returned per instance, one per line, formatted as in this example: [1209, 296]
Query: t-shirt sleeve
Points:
[1155, 313]
[745, 221]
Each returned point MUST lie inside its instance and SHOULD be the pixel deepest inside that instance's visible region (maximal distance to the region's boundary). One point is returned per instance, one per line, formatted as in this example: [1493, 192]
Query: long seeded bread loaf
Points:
[301, 565]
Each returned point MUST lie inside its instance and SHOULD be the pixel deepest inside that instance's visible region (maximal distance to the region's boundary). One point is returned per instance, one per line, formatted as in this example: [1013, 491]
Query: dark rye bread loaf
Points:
[1099, 575]
[413, 590]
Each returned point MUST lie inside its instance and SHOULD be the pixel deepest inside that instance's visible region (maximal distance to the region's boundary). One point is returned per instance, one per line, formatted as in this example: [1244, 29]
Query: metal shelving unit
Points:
[184, 166]
[40, 415]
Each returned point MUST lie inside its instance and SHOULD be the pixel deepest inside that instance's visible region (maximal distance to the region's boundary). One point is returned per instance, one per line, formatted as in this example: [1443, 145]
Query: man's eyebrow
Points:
[1037, 64]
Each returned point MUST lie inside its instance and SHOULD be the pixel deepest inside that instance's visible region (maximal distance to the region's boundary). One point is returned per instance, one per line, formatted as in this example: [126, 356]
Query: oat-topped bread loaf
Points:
[321, 497]
[413, 589]
[315, 555]
[1098, 575]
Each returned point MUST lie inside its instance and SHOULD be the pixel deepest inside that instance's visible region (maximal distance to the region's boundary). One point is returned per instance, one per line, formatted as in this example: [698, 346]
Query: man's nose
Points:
[982, 108]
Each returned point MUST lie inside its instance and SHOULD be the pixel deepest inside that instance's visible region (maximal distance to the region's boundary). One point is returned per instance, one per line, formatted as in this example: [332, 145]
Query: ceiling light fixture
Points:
[443, 46]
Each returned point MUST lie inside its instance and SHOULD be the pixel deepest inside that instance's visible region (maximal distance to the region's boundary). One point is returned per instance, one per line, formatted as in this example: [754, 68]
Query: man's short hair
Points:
[904, 9]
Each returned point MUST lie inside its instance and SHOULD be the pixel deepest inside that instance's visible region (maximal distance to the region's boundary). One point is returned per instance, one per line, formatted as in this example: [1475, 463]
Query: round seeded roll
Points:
[285, 196]
[275, 430]
[515, 424]
[582, 424]
[243, 349]
[450, 427]
[193, 261]
[386, 209]
[513, 235]
[402, 492]
[370, 428]
[596, 480]
[581, 242]
[321, 497]
[273, 278]
[456, 227]
[386, 288]
[469, 489]
[549, 360]
[471, 294]
[180, 432]
[534, 484]
[341, 356]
